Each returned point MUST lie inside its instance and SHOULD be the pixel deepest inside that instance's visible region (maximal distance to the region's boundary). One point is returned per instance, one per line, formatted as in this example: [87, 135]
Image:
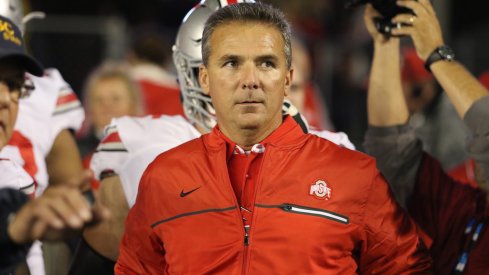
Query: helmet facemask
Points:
[187, 57]
[196, 105]
[13, 10]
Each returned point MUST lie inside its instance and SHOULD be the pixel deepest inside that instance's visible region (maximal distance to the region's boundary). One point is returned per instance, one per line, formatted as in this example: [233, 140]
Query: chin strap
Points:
[289, 109]
[33, 15]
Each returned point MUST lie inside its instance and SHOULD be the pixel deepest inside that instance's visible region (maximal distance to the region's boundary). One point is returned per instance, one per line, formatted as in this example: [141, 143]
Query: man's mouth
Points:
[246, 102]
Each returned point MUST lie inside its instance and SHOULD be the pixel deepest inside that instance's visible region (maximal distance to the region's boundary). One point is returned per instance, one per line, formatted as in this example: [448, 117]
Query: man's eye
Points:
[13, 85]
[268, 64]
[230, 63]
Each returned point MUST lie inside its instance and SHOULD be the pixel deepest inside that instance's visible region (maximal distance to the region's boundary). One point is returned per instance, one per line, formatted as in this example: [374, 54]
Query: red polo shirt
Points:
[244, 167]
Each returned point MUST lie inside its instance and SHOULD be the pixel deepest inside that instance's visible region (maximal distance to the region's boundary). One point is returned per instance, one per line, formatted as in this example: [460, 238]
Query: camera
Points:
[387, 8]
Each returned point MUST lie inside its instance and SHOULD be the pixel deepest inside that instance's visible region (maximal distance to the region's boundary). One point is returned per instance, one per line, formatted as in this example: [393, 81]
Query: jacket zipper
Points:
[245, 253]
[292, 208]
[253, 223]
[239, 215]
[315, 212]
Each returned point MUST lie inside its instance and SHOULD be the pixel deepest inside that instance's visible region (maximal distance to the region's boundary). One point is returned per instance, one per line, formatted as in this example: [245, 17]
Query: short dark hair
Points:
[247, 12]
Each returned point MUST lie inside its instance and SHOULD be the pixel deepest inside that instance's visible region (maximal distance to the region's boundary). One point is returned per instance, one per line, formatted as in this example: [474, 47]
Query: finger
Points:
[405, 19]
[416, 7]
[369, 18]
[428, 6]
[65, 212]
[100, 212]
[371, 11]
[79, 204]
[44, 215]
[369, 15]
[402, 31]
[39, 229]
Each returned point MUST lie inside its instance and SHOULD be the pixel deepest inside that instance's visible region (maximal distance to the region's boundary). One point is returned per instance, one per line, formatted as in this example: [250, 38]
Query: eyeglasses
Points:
[18, 88]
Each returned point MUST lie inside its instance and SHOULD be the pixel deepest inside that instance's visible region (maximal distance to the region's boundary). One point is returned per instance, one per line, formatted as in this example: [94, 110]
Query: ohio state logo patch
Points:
[320, 190]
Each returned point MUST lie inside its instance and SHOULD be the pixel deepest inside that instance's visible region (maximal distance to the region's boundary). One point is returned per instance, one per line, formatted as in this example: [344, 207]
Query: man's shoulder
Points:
[148, 130]
[142, 123]
[188, 152]
[328, 148]
[338, 138]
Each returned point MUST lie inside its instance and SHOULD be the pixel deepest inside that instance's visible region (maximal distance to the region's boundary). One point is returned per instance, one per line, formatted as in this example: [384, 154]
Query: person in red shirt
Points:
[257, 195]
[149, 53]
[452, 214]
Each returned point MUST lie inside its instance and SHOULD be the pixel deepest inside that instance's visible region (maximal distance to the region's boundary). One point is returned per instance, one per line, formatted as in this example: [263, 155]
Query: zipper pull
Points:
[246, 238]
[286, 207]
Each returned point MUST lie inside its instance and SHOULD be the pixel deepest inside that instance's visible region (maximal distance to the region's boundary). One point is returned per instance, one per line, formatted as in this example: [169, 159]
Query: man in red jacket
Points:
[257, 195]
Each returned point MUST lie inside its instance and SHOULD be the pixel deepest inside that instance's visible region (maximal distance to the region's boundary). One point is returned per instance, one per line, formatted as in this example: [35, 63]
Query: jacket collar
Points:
[289, 133]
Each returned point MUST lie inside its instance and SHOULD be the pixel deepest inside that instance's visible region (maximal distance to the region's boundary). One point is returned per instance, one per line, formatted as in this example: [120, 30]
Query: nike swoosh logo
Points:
[184, 194]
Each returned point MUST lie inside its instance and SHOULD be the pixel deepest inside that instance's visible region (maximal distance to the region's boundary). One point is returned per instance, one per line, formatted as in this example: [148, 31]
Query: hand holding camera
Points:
[386, 9]
[416, 19]
[424, 28]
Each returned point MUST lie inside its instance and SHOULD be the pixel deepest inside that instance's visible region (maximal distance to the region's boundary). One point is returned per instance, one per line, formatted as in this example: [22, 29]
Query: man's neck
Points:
[247, 137]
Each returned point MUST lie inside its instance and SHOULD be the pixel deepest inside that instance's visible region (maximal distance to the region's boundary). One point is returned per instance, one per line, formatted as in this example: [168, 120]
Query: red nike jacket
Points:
[319, 209]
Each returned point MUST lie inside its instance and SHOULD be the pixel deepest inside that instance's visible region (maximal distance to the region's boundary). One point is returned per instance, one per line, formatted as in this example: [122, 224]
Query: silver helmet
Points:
[13, 10]
[187, 57]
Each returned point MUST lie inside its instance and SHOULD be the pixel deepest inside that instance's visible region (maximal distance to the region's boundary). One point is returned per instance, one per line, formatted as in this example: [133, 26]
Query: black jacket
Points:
[11, 254]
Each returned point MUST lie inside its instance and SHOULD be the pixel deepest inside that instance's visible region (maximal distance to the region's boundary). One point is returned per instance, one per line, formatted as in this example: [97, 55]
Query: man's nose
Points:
[250, 77]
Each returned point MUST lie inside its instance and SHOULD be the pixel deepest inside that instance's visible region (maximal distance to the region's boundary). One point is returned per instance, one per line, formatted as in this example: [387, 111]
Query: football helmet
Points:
[13, 10]
[187, 57]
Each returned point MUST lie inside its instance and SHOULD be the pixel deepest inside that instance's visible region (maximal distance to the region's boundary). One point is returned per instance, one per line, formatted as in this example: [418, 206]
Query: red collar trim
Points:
[287, 132]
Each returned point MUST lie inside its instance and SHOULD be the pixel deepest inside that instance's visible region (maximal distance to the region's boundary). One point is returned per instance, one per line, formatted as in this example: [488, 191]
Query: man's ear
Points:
[288, 80]
[204, 79]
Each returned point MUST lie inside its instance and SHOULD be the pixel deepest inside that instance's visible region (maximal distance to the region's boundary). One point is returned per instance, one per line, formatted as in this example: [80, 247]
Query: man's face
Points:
[419, 95]
[246, 75]
[109, 98]
[11, 78]
[297, 93]
[302, 70]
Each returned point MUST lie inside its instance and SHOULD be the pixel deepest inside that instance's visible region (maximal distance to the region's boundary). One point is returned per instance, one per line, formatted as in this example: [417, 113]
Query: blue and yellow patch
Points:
[7, 32]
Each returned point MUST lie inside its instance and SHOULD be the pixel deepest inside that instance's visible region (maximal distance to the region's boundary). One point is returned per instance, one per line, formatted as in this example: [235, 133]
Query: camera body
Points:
[387, 8]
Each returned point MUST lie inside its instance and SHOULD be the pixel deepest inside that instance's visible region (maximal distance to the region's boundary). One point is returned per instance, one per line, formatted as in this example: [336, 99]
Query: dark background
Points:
[76, 36]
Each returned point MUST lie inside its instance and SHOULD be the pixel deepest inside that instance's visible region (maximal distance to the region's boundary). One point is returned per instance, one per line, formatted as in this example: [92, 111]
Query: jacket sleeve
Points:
[111, 153]
[398, 152]
[11, 254]
[141, 251]
[478, 141]
[392, 240]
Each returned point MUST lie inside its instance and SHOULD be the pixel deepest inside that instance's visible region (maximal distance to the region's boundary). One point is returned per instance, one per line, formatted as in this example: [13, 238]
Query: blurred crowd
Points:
[337, 45]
